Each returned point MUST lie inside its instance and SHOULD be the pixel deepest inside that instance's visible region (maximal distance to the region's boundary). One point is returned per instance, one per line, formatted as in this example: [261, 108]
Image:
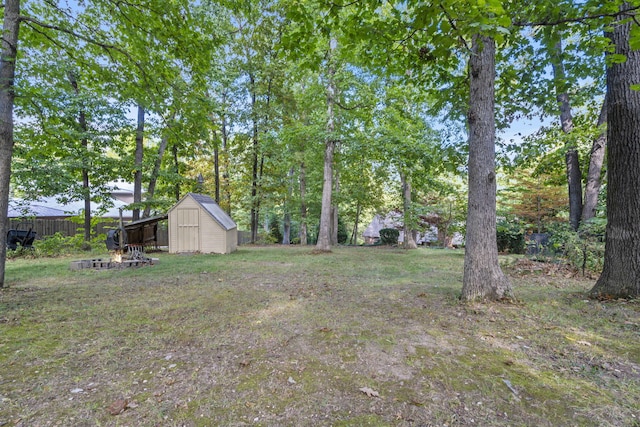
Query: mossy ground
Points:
[279, 336]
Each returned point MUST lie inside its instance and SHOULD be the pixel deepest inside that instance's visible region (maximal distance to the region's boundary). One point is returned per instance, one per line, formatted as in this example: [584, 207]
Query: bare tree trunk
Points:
[334, 206]
[137, 177]
[286, 234]
[324, 233]
[409, 240]
[572, 161]
[225, 175]
[303, 205]
[596, 160]
[216, 170]
[483, 278]
[254, 163]
[176, 166]
[8, 58]
[620, 277]
[354, 234]
[154, 174]
[86, 190]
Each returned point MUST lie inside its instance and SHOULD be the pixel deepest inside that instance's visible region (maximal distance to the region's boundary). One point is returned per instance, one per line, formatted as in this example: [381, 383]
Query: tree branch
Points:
[355, 107]
[453, 25]
[332, 4]
[577, 19]
[107, 47]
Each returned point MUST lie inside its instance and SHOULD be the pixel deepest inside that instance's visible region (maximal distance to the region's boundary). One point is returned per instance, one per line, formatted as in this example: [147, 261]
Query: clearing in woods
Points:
[280, 336]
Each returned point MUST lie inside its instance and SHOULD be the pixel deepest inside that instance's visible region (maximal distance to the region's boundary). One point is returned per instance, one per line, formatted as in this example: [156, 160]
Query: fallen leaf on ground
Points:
[118, 407]
[369, 392]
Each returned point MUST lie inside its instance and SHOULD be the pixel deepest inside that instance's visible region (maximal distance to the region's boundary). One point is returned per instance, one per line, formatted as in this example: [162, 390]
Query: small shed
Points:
[198, 224]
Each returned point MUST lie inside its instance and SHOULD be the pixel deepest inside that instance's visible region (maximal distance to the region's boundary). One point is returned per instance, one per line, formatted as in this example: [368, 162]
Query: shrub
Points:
[510, 237]
[343, 235]
[57, 244]
[389, 236]
[583, 249]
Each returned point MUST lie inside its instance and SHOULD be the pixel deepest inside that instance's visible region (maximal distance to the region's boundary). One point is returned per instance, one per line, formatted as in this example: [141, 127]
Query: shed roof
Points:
[213, 209]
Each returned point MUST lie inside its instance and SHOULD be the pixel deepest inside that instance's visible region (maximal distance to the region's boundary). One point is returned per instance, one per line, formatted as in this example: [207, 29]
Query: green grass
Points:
[284, 336]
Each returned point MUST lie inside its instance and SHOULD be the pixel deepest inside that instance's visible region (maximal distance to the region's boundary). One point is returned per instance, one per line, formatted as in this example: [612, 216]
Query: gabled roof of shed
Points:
[213, 209]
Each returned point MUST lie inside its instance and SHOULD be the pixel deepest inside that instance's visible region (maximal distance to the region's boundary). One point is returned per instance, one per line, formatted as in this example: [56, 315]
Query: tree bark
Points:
[216, 169]
[86, 190]
[254, 164]
[596, 160]
[324, 232]
[483, 279]
[572, 161]
[303, 205]
[226, 187]
[354, 234]
[334, 205]
[176, 168]
[8, 58]
[620, 277]
[409, 241]
[286, 234]
[137, 176]
[155, 173]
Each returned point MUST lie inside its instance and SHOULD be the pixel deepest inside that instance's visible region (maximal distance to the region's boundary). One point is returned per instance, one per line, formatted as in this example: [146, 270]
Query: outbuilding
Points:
[198, 224]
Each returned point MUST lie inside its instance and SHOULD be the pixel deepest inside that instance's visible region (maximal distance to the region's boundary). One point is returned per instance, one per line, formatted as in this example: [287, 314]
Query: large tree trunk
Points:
[303, 205]
[409, 241]
[483, 278]
[572, 161]
[324, 233]
[620, 277]
[8, 57]
[334, 205]
[596, 160]
[137, 176]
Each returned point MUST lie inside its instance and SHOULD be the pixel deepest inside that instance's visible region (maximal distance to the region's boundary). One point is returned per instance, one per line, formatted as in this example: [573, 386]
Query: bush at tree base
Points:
[510, 237]
[389, 236]
[583, 249]
[58, 244]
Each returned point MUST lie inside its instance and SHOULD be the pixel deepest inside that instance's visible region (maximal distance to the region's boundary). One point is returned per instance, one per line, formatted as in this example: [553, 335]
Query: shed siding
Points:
[188, 229]
[212, 235]
[193, 229]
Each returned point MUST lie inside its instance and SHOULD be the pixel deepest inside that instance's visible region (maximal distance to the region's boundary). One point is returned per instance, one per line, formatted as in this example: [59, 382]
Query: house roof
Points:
[21, 209]
[50, 207]
[213, 209]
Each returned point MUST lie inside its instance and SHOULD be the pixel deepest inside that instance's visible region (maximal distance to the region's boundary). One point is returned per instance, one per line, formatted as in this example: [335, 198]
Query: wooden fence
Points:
[49, 227]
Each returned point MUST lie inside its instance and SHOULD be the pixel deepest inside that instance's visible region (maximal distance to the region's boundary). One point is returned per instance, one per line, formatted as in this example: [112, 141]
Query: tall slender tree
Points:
[8, 58]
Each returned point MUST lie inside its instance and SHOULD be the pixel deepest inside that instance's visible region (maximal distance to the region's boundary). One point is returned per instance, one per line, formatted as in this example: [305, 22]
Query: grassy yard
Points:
[279, 336]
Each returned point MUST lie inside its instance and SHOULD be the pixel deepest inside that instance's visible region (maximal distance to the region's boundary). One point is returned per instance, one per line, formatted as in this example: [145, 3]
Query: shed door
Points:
[188, 230]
